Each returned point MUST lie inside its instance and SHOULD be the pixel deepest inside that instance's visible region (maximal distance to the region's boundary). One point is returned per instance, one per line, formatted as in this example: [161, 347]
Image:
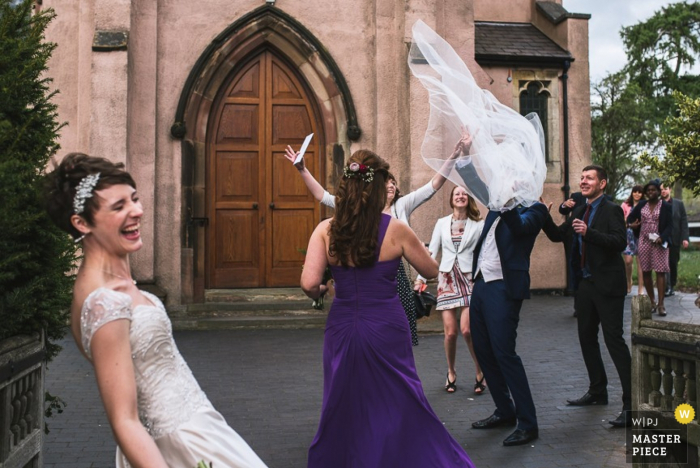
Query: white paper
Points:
[303, 148]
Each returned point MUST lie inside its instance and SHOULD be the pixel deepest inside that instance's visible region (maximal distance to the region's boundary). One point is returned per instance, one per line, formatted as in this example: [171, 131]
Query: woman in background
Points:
[456, 235]
[631, 250]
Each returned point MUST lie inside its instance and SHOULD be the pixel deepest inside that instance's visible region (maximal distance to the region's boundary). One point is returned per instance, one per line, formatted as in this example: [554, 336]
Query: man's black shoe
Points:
[669, 292]
[588, 400]
[624, 419]
[521, 437]
[494, 421]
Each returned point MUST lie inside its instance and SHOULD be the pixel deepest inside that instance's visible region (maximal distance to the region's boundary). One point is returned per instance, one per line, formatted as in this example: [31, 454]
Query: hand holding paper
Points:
[298, 158]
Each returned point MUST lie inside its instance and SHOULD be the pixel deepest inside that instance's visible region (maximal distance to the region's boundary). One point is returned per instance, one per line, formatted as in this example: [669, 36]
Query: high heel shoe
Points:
[661, 311]
[479, 386]
[451, 387]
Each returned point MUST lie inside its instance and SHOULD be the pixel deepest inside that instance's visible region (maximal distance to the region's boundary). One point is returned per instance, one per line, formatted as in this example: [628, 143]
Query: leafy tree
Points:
[618, 124]
[35, 256]
[681, 140]
[659, 49]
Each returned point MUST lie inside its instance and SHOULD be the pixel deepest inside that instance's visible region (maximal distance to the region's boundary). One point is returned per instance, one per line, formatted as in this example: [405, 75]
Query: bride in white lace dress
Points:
[159, 415]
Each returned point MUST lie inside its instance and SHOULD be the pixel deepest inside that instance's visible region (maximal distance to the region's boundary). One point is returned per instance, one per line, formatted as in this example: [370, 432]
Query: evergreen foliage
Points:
[36, 258]
[681, 140]
[619, 121]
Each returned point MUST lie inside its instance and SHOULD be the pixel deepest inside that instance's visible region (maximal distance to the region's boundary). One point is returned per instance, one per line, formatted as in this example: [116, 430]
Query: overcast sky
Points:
[607, 18]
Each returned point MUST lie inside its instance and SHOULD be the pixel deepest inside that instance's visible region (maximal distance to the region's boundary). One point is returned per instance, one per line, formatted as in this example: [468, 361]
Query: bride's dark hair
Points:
[61, 184]
[358, 207]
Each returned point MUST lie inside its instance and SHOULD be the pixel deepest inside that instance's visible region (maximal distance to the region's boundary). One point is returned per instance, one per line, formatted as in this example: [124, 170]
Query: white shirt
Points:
[489, 261]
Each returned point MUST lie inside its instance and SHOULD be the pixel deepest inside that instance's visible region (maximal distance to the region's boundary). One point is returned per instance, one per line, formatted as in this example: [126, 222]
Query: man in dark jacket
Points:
[680, 236]
[599, 237]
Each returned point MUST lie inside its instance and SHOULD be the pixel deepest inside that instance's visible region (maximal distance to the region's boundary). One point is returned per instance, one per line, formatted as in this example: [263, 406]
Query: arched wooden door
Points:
[260, 212]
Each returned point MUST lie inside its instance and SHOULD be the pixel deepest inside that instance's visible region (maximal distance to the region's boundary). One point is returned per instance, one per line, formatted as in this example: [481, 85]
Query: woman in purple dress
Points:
[374, 410]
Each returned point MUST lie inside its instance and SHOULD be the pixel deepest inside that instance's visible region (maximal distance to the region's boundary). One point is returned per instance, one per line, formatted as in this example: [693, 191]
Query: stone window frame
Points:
[549, 82]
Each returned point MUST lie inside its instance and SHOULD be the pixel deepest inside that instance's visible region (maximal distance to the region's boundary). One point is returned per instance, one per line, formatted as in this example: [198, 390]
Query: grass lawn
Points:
[688, 270]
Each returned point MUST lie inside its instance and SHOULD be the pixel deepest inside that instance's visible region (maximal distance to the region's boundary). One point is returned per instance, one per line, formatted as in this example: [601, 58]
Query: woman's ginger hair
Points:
[358, 207]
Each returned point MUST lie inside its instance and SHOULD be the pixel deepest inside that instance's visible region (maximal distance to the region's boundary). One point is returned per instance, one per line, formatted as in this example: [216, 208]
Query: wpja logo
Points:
[659, 436]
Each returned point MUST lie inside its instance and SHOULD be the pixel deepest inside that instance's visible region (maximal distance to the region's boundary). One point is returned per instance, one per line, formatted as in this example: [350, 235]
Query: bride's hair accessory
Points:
[84, 191]
[356, 170]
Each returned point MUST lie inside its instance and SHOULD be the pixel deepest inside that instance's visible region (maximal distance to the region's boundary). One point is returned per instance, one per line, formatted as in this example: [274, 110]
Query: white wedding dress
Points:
[172, 407]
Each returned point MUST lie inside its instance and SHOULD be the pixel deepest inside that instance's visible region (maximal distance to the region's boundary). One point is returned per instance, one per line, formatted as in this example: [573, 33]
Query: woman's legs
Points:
[640, 279]
[661, 288]
[449, 323]
[629, 260]
[467, 334]
[649, 285]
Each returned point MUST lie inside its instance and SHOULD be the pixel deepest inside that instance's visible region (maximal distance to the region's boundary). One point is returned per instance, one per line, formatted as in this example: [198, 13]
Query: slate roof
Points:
[516, 44]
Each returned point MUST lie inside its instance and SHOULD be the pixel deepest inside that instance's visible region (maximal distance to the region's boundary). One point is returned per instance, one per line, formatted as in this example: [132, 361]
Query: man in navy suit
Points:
[501, 281]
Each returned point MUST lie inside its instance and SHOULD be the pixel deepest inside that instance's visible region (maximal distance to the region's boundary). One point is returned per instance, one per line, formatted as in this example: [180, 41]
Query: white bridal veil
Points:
[506, 165]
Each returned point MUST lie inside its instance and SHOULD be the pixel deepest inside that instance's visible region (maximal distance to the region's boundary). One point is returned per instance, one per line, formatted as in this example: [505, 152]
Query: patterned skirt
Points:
[631, 248]
[409, 306]
[454, 289]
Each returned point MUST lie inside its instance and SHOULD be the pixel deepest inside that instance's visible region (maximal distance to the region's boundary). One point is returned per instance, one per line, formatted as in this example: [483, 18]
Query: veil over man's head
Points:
[507, 148]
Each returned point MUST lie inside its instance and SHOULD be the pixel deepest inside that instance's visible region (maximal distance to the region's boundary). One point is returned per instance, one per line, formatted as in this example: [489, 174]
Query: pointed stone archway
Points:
[265, 28]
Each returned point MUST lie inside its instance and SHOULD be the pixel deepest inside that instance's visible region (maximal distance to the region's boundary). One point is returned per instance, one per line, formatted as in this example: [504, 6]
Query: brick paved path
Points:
[267, 384]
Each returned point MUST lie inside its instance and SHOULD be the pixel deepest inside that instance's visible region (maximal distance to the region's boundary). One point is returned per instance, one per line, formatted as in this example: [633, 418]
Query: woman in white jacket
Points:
[398, 206]
[456, 235]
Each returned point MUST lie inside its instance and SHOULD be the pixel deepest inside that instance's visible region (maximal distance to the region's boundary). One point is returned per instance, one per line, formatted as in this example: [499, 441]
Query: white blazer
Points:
[442, 239]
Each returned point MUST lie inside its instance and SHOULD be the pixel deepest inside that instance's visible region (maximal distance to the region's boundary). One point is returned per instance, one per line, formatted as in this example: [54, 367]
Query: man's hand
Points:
[579, 227]
[548, 205]
[685, 244]
[569, 203]
[290, 154]
[463, 145]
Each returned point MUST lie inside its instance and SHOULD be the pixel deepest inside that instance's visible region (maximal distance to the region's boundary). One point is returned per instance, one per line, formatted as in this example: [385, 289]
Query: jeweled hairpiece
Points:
[84, 191]
[354, 170]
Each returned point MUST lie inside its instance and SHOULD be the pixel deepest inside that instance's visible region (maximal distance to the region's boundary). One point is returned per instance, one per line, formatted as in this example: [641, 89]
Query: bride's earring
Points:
[79, 239]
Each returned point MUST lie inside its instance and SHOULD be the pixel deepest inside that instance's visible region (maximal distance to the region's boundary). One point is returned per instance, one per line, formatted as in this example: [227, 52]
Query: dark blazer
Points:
[515, 238]
[679, 222]
[665, 219]
[605, 240]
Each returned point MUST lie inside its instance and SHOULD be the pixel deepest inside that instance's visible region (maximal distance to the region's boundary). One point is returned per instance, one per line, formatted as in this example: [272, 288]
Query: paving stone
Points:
[268, 385]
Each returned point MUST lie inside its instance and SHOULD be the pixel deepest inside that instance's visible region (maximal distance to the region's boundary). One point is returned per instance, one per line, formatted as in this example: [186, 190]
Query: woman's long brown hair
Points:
[358, 207]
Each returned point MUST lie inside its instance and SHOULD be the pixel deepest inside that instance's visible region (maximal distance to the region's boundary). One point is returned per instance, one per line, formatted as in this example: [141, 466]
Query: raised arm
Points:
[312, 184]
[316, 262]
[111, 357]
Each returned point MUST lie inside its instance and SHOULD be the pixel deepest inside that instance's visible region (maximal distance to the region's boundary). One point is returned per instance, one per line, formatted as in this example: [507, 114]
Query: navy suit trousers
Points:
[494, 321]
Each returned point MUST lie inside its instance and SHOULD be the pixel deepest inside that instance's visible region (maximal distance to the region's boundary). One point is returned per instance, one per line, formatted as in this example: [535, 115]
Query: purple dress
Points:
[374, 412]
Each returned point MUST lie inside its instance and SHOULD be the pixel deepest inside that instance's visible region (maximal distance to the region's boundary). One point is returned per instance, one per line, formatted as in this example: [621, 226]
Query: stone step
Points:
[232, 320]
[265, 295]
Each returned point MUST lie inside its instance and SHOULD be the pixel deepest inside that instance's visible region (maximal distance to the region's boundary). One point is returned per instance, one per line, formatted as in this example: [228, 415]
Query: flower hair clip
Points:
[365, 173]
[84, 191]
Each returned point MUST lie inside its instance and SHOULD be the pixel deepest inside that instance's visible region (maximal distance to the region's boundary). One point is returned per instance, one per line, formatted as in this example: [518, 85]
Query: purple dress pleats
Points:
[374, 412]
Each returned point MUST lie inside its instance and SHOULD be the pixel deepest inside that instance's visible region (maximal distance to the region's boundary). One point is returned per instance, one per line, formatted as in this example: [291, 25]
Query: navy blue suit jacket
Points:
[515, 238]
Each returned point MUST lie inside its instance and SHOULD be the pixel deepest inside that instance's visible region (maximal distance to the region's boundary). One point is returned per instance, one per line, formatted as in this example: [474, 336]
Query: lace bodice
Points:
[168, 393]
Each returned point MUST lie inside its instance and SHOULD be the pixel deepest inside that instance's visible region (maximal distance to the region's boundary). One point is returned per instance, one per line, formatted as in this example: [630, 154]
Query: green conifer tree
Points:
[36, 258]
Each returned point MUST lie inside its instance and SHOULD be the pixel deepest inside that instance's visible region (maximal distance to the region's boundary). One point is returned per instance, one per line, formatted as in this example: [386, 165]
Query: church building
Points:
[200, 98]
